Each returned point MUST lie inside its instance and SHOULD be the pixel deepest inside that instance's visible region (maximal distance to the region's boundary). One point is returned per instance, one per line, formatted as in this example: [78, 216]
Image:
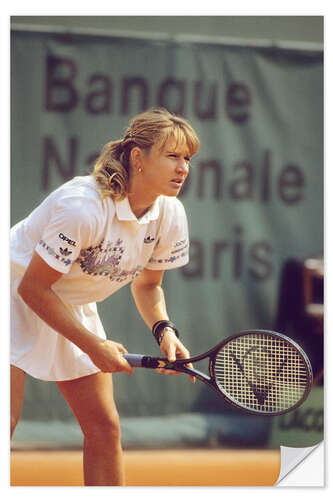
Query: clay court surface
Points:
[195, 467]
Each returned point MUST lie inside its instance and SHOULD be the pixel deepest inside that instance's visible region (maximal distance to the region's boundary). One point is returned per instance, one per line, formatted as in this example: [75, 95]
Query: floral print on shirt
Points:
[104, 260]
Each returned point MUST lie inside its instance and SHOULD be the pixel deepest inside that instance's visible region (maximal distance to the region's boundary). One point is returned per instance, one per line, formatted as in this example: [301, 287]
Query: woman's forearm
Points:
[150, 302]
[50, 308]
[106, 355]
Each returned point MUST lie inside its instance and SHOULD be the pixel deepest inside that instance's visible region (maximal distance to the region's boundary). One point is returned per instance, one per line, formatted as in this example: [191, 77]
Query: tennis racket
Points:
[259, 371]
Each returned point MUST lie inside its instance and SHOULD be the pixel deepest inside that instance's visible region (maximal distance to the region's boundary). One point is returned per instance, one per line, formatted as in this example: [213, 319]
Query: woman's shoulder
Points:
[80, 192]
[80, 200]
[171, 205]
[172, 214]
[79, 187]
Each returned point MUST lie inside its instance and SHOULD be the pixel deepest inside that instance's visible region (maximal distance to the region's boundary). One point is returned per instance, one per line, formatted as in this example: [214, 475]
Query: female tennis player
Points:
[88, 238]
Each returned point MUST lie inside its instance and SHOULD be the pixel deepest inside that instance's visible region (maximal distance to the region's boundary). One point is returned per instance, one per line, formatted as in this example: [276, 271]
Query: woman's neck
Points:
[140, 204]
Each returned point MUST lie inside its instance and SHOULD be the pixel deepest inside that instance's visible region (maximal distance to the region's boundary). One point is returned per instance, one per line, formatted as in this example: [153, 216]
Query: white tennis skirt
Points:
[42, 352]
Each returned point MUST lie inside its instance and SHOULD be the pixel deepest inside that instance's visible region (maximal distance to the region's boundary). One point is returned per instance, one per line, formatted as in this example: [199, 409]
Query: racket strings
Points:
[263, 373]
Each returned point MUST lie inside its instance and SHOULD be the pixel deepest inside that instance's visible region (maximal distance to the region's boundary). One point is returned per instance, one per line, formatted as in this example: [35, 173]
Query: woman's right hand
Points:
[108, 357]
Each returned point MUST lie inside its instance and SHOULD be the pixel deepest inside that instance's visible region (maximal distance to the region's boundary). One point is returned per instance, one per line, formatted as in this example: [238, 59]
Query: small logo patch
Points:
[149, 239]
[65, 238]
[65, 251]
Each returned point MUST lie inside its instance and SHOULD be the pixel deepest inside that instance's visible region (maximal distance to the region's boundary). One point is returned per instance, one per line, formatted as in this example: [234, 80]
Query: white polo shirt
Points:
[99, 246]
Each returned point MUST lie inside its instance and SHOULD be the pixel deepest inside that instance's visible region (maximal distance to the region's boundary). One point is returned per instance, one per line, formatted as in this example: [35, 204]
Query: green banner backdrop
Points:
[254, 197]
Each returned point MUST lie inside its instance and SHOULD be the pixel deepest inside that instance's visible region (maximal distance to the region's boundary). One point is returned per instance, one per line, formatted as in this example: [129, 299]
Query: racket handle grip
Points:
[141, 361]
[134, 360]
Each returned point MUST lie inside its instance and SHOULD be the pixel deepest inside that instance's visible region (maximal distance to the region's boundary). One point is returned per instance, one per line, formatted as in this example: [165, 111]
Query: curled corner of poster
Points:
[302, 466]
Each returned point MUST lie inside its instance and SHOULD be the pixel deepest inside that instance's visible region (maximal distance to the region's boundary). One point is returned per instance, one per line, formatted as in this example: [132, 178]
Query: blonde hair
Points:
[152, 127]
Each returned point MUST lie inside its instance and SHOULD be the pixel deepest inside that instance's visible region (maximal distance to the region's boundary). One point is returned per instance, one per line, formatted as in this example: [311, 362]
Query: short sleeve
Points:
[172, 247]
[67, 231]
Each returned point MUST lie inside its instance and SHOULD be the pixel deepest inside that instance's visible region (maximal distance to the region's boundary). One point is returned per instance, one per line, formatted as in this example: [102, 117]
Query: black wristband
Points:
[158, 328]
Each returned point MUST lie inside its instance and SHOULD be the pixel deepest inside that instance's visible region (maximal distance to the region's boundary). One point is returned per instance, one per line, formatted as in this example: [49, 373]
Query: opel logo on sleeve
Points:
[65, 238]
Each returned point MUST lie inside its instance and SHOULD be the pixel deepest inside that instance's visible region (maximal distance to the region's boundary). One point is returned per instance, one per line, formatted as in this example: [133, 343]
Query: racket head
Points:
[261, 371]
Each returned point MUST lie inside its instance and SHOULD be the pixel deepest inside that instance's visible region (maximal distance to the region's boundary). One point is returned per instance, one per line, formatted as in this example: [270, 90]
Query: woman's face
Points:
[164, 171]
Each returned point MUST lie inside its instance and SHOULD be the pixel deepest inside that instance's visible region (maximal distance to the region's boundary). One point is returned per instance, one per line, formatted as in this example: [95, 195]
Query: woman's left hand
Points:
[173, 349]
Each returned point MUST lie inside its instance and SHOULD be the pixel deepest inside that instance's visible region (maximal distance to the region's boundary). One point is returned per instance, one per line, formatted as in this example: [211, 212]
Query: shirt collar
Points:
[124, 212]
